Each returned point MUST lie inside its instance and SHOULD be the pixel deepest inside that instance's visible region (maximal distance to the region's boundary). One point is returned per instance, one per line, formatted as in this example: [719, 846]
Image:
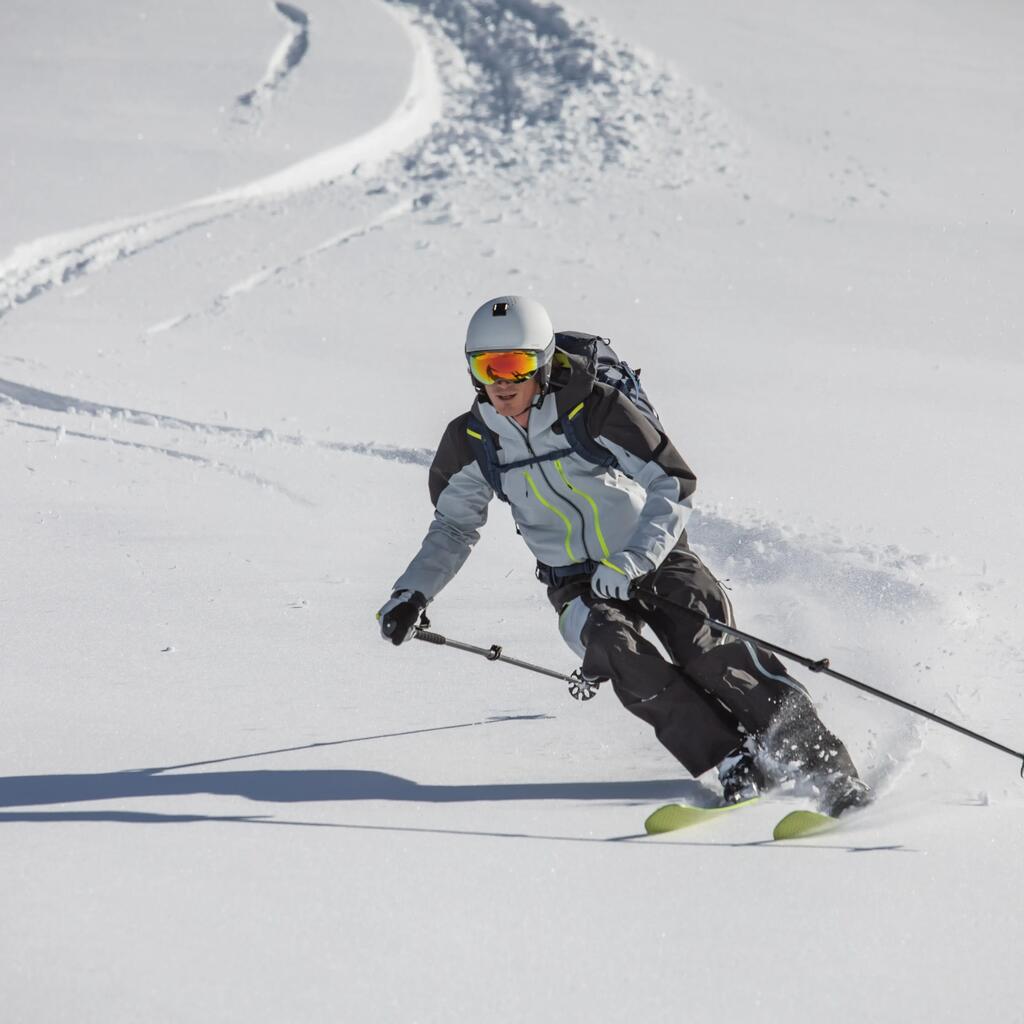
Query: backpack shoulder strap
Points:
[484, 445]
[577, 433]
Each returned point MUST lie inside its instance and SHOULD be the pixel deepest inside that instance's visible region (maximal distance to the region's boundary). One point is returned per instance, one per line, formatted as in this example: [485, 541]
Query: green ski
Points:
[672, 817]
[798, 824]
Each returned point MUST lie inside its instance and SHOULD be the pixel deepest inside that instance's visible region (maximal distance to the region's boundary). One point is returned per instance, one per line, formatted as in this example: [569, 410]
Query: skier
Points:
[611, 546]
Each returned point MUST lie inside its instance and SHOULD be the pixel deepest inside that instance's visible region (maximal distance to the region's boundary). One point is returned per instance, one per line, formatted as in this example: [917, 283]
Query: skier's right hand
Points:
[398, 617]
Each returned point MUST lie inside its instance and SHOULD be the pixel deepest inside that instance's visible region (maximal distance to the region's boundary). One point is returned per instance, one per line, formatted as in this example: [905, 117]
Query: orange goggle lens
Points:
[515, 366]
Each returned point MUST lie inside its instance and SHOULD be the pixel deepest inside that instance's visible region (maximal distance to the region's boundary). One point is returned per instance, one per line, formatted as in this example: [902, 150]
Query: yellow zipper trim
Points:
[561, 515]
[576, 410]
[473, 433]
[597, 517]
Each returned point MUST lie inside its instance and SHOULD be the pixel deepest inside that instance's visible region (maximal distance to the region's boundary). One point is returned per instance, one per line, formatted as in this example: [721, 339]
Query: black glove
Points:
[398, 617]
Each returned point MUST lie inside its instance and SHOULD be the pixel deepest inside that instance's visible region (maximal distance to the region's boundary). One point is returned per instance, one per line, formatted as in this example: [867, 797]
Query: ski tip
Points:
[669, 818]
[673, 817]
[798, 824]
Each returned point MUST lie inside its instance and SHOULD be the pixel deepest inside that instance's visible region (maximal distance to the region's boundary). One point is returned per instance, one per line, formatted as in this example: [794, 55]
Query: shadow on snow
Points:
[310, 785]
[313, 785]
[331, 785]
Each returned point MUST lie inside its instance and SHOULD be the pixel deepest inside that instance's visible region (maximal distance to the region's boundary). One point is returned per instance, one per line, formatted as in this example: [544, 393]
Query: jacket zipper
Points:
[557, 494]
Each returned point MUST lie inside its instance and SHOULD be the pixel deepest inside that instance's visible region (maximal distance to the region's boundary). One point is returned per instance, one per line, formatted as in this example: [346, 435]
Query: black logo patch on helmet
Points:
[499, 309]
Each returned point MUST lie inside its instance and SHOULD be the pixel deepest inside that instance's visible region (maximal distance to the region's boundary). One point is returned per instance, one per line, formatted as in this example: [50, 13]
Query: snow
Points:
[227, 350]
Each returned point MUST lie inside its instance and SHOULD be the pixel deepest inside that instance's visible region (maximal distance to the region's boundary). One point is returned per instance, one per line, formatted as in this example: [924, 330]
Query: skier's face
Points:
[512, 399]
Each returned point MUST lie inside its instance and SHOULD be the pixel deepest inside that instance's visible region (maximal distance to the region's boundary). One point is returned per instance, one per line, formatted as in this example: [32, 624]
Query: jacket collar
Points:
[542, 417]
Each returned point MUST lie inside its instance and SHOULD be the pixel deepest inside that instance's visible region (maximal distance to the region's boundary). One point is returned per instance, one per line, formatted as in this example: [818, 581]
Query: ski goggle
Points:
[514, 367]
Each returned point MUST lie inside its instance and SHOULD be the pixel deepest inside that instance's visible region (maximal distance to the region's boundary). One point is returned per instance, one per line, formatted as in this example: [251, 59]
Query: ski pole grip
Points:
[430, 638]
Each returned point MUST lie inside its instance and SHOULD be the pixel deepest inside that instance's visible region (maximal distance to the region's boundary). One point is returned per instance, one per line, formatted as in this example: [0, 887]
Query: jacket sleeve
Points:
[647, 456]
[460, 495]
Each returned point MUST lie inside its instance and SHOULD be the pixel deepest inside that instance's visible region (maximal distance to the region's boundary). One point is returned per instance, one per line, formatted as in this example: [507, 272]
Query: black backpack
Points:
[608, 369]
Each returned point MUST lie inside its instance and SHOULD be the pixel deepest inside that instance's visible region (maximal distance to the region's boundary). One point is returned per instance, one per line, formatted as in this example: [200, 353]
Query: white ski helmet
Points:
[512, 323]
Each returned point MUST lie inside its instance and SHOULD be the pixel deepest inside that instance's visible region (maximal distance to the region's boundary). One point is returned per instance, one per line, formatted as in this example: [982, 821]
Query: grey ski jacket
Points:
[569, 511]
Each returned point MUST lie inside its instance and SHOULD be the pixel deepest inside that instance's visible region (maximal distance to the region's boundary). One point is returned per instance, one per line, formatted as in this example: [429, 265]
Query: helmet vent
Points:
[499, 309]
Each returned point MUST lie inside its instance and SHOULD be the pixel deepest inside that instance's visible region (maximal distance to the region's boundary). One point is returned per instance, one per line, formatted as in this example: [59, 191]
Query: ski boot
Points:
[840, 792]
[739, 774]
[799, 746]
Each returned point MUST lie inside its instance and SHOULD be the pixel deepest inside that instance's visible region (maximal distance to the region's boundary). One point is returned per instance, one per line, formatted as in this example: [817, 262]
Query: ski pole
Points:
[580, 687]
[822, 665]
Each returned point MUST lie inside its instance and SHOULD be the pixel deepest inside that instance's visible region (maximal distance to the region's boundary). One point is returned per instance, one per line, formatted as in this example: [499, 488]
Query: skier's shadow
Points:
[301, 786]
[312, 785]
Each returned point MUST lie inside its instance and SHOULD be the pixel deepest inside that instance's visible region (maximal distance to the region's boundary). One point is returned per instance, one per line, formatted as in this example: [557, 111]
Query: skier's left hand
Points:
[612, 579]
[398, 617]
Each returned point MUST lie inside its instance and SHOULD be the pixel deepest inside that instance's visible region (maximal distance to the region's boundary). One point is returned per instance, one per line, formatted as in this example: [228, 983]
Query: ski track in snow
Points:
[262, 277]
[22, 395]
[60, 433]
[285, 60]
[502, 91]
[36, 267]
[531, 92]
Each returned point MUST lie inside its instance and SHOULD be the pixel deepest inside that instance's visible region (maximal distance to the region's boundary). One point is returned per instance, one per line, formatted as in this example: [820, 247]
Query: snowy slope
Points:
[225, 358]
